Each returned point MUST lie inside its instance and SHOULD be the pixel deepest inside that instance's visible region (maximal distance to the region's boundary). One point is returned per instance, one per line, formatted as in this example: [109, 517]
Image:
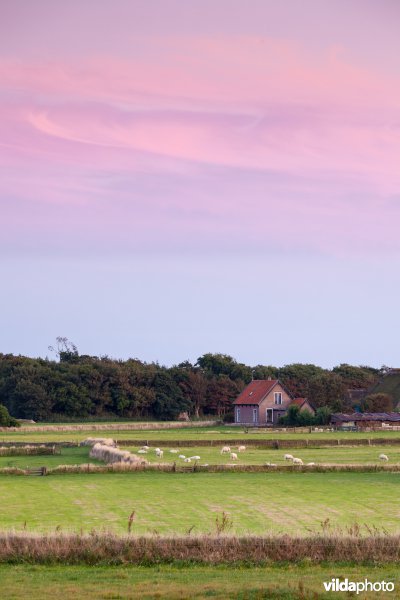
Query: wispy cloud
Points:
[237, 143]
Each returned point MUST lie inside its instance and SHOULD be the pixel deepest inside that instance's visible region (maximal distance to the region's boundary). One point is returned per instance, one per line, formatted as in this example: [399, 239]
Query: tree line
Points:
[82, 386]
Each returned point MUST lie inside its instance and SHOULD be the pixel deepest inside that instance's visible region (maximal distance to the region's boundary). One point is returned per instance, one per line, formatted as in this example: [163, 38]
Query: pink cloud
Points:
[324, 126]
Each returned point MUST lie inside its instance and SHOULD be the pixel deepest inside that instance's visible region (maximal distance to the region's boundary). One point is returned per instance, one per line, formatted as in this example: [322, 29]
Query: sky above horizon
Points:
[208, 176]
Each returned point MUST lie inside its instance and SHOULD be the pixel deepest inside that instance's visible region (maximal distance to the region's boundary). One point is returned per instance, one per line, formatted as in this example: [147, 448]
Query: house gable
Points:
[303, 404]
[276, 402]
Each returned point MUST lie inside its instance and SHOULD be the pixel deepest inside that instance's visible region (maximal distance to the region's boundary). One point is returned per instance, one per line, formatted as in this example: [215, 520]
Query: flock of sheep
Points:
[105, 449]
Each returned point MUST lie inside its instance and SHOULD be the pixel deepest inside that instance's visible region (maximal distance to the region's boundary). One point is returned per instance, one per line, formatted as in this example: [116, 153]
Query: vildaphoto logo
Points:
[344, 585]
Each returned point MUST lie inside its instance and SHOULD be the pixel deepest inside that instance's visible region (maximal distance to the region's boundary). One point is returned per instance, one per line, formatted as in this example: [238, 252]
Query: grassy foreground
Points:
[286, 582]
[167, 503]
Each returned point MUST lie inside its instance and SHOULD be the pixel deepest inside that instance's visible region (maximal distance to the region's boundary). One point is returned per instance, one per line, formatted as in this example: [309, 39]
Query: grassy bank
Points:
[291, 582]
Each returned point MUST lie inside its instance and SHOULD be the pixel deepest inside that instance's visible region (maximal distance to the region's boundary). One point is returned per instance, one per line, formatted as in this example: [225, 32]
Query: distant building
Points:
[366, 420]
[264, 401]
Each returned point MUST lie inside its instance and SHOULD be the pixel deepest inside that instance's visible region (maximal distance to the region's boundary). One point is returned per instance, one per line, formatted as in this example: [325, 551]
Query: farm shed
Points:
[366, 420]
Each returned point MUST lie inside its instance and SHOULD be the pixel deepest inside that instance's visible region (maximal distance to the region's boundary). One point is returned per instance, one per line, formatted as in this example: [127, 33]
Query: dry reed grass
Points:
[122, 467]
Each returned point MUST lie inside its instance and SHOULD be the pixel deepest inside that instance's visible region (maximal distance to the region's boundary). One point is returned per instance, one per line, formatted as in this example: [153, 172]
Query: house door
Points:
[255, 415]
[269, 415]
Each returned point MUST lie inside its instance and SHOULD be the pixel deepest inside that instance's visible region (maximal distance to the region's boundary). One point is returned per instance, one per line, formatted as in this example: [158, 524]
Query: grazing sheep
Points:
[195, 457]
[182, 456]
[297, 461]
[225, 450]
[288, 457]
[187, 460]
[268, 464]
[145, 448]
[174, 451]
[241, 448]
[142, 451]
[383, 457]
[157, 450]
[233, 456]
[160, 453]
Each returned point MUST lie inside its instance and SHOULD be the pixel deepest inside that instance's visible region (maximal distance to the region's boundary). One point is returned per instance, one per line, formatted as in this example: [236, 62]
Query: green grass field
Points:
[212, 455]
[66, 456]
[291, 582]
[259, 456]
[204, 433]
[172, 503]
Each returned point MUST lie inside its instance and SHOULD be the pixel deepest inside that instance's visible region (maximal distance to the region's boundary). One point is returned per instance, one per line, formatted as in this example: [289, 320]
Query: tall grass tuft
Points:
[106, 548]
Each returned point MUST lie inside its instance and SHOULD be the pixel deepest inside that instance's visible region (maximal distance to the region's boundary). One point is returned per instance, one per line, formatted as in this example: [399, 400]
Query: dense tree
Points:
[223, 364]
[76, 386]
[377, 403]
[357, 377]
[296, 378]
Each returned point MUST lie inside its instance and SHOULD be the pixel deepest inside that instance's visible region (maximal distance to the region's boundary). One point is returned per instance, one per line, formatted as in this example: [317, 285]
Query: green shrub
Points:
[5, 419]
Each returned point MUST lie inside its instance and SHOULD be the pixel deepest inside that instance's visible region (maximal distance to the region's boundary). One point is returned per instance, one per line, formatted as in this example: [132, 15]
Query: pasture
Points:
[211, 455]
[167, 503]
[64, 456]
[293, 582]
[71, 434]
[258, 456]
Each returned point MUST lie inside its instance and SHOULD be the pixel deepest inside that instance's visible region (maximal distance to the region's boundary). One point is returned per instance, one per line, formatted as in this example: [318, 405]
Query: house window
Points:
[278, 397]
[238, 415]
[255, 415]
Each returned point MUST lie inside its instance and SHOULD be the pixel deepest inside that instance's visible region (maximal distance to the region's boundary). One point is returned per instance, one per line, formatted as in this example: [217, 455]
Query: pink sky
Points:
[207, 128]
[91, 120]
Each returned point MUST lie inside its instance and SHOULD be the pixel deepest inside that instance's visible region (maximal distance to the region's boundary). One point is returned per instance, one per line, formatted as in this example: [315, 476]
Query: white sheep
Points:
[225, 450]
[142, 451]
[297, 461]
[383, 457]
[160, 453]
[288, 457]
[145, 448]
[241, 448]
[268, 464]
[187, 460]
[233, 456]
[156, 450]
[174, 451]
[195, 457]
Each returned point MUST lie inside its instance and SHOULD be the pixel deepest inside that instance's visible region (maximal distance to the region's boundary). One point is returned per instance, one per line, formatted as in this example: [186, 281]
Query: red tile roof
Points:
[299, 401]
[256, 391]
